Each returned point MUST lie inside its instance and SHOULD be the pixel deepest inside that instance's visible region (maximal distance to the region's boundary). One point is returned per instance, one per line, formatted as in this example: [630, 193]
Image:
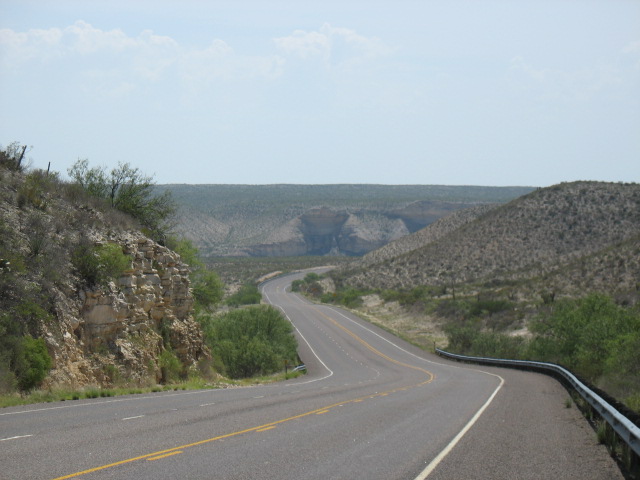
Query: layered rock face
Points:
[321, 229]
[118, 332]
[326, 231]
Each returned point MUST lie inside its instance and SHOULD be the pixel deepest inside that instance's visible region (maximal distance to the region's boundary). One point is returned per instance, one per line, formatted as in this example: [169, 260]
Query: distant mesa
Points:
[299, 220]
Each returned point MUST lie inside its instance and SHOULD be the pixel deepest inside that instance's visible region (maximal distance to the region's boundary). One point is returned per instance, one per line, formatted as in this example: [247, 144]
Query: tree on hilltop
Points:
[129, 190]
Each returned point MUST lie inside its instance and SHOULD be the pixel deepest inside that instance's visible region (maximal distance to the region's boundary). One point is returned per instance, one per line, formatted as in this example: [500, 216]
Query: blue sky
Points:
[391, 92]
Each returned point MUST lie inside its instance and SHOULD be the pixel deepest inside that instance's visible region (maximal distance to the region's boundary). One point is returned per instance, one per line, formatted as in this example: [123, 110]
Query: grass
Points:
[62, 395]
[601, 432]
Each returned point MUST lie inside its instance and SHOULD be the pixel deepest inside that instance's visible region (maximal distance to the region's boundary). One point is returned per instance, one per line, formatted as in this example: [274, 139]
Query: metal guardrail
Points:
[625, 428]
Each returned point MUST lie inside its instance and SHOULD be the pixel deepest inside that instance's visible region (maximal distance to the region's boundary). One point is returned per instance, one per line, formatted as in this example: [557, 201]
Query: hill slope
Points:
[569, 232]
[84, 292]
[289, 220]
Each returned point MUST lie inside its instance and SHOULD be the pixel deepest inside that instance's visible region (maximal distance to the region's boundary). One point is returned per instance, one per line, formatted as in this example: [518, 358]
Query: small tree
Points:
[127, 189]
[208, 289]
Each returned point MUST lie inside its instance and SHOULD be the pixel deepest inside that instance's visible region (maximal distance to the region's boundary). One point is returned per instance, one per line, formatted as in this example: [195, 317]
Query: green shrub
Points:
[349, 297]
[309, 285]
[311, 277]
[127, 189]
[251, 341]
[170, 365]
[296, 285]
[187, 250]
[35, 187]
[99, 264]
[589, 335]
[208, 289]
[8, 382]
[593, 337]
[489, 307]
[31, 363]
[247, 295]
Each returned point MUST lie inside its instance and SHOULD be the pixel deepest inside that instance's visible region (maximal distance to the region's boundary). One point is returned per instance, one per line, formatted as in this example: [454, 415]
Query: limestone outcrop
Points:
[118, 332]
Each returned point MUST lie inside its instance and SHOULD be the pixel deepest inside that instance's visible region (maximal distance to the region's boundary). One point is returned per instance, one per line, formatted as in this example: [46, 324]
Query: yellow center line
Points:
[266, 428]
[377, 352]
[164, 456]
[176, 450]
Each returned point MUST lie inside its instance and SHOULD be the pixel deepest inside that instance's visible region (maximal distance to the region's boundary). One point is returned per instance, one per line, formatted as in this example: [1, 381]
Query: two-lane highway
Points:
[371, 406]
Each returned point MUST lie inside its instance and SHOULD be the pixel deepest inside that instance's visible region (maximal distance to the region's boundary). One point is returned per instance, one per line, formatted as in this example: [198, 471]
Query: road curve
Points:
[370, 406]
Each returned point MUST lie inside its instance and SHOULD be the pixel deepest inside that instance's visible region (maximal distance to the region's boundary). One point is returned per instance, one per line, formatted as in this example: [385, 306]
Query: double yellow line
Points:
[268, 426]
[429, 374]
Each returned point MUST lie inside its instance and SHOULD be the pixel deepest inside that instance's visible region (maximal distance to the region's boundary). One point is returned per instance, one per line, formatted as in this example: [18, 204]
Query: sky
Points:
[434, 92]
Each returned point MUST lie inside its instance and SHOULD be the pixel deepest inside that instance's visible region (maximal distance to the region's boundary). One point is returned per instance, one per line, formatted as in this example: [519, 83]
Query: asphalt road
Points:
[370, 407]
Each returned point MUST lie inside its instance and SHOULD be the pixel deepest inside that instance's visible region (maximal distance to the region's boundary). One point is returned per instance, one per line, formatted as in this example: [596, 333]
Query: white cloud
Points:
[333, 45]
[83, 38]
[128, 61]
[19, 47]
[304, 44]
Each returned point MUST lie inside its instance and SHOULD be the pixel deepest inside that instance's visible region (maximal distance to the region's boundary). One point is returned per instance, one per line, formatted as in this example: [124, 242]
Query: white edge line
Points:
[434, 463]
[305, 341]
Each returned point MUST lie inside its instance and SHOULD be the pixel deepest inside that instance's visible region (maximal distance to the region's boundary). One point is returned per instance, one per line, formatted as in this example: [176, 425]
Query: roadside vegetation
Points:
[593, 336]
[248, 341]
[47, 256]
[251, 341]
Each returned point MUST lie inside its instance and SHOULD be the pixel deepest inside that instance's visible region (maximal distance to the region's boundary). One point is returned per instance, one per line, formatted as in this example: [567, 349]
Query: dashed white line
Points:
[15, 438]
[131, 418]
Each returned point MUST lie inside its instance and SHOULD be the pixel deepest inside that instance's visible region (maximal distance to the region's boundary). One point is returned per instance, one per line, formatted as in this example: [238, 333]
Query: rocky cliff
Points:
[101, 326]
[119, 331]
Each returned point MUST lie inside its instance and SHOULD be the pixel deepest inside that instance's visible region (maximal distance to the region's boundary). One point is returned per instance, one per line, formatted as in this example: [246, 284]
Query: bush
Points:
[187, 250]
[170, 366]
[588, 334]
[251, 341]
[350, 297]
[489, 307]
[309, 285]
[8, 381]
[130, 191]
[31, 363]
[12, 156]
[35, 187]
[99, 264]
[593, 337]
[247, 295]
[208, 289]
[296, 285]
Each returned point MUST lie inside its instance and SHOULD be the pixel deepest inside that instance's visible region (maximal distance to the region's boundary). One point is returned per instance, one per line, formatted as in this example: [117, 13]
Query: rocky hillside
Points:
[572, 237]
[110, 305]
[436, 230]
[296, 220]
